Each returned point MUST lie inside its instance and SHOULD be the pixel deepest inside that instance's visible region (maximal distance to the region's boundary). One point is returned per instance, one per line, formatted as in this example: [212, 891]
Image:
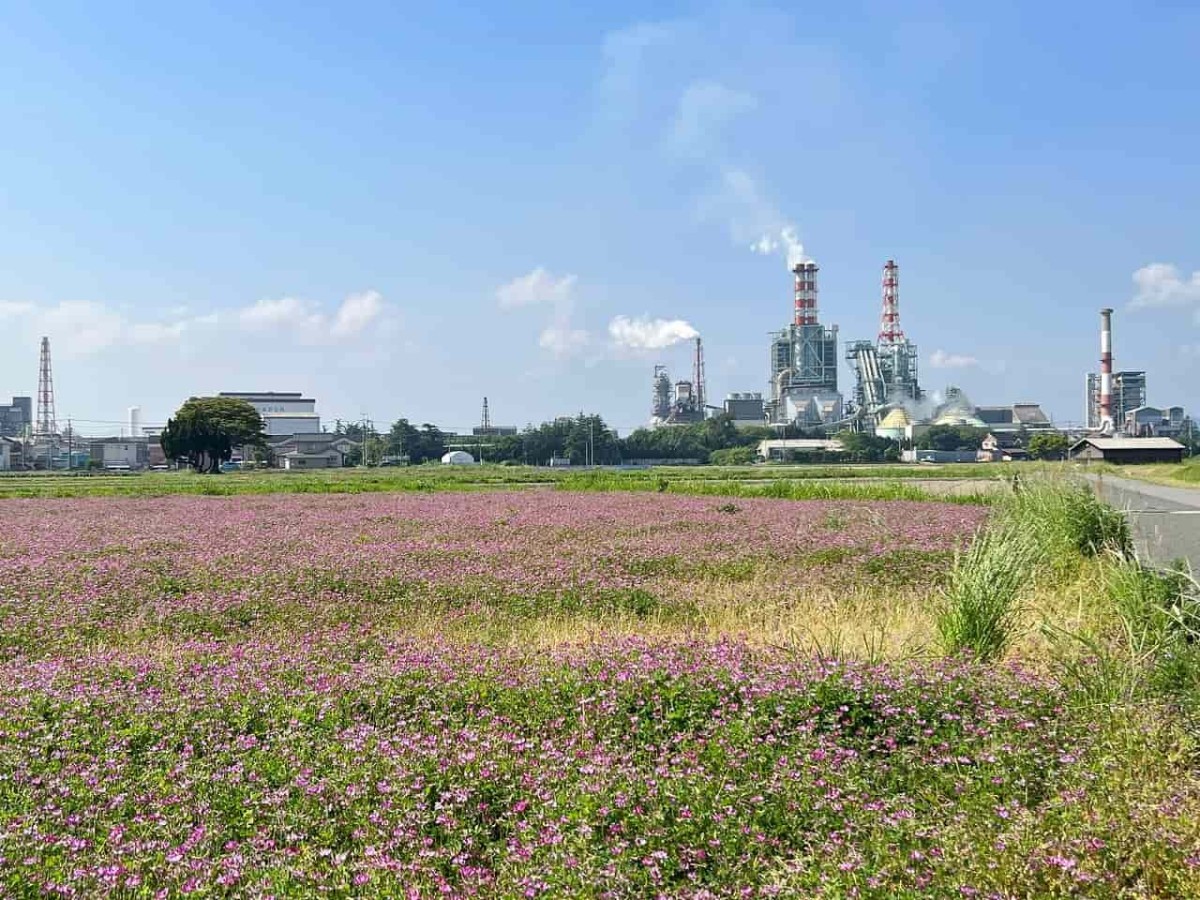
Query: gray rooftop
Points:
[1152, 443]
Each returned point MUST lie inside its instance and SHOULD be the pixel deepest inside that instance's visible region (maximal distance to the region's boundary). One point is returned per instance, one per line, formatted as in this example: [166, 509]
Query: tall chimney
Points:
[890, 331]
[806, 293]
[1106, 381]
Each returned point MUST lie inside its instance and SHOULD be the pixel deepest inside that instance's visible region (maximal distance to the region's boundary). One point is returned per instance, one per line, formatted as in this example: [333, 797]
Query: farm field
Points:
[522, 693]
[438, 478]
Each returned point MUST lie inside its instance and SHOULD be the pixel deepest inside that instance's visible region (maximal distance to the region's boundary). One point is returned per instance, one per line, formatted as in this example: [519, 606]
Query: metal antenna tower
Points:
[46, 424]
[890, 331]
[487, 419]
[698, 375]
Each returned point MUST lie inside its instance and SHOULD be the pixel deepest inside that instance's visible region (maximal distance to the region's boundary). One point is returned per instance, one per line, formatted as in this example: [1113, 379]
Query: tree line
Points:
[205, 431]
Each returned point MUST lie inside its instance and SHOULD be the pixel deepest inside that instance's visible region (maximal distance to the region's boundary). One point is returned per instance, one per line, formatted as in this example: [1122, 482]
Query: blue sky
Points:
[399, 210]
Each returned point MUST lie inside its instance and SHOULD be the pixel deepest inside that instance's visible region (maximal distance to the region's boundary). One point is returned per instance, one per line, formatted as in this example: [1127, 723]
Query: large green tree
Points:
[952, 437]
[1048, 445]
[205, 431]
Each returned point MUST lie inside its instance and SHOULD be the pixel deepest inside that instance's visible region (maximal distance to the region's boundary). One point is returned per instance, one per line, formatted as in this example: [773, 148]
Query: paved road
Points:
[1166, 520]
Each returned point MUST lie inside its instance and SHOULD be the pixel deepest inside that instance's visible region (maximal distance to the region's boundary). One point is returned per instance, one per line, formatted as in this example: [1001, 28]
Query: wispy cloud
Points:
[669, 71]
[537, 287]
[704, 111]
[625, 53]
[561, 339]
[649, 334]
[940, 359]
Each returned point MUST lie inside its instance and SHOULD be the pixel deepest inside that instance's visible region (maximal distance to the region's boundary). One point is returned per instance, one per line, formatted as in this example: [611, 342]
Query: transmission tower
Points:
[47, 426]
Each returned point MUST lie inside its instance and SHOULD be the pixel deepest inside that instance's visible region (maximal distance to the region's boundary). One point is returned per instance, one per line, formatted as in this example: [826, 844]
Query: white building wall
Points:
[280, 424]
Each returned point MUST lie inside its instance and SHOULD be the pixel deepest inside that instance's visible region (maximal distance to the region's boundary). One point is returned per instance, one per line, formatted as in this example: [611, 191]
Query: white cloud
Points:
[538, 287]
[561, 339]
[356, 313]
[284, 312]
[308, 322]
[155, 332]
[10, 309]
[649, 334]
[1161, 285]
[943, 360]
[78, 327]
[84, 327]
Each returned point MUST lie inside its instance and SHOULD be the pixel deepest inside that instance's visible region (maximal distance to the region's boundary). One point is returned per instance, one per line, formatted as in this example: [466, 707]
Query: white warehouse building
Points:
[283, 412]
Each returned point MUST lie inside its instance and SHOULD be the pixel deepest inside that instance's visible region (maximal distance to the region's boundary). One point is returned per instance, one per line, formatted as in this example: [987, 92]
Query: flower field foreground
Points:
[291, 696]
[83, 571]
[333, 765]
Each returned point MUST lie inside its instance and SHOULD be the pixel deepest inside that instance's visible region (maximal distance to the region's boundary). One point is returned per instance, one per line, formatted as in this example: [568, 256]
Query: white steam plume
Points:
[786, 240]
[649, 334]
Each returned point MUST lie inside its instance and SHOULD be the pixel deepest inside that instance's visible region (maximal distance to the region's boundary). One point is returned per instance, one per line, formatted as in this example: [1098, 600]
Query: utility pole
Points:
[70, 444]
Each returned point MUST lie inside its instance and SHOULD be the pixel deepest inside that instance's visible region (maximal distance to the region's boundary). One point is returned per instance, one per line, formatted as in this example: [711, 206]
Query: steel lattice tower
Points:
[47, 426]
[486, 424]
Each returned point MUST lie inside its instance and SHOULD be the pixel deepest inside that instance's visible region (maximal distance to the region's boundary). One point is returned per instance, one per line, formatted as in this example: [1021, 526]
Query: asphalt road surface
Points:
[1165, 520]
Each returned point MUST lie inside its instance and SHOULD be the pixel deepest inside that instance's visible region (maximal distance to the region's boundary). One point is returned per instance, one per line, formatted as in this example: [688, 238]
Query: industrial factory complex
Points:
[804, 404]
[887, 399]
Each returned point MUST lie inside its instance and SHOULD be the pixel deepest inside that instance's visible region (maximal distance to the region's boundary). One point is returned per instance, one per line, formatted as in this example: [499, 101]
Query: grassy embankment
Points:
[1185, 474]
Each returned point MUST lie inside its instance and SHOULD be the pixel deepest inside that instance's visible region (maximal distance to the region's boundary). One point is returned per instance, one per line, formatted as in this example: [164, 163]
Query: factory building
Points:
[16, 418]
[282, 412]
[745, 409]
[804, 361]
[1150, 421]
[886, 370]
[1128, 393]
[11, 452]
[1019, 416]
[685, 402]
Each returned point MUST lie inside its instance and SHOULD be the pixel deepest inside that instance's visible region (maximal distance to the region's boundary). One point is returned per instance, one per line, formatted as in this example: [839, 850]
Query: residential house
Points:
[316, 450]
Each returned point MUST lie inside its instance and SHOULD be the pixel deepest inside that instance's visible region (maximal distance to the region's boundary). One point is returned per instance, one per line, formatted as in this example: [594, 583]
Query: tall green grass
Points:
[1067, 521]
[979, 607]
[1042, 529]
[1149, 647]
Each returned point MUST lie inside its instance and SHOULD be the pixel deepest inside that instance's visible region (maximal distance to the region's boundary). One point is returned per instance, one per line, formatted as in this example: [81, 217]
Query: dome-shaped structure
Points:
[894, 425]
[958, 419]
[458, 458]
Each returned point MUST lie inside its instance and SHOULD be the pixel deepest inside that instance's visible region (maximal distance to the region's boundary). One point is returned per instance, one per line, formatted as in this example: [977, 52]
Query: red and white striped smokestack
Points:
[806, 293]
[890, 331]
[1106, 380]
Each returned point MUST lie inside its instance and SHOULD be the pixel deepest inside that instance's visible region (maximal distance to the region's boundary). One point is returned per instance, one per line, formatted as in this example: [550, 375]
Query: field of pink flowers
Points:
[87, 570]
[216, 697]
